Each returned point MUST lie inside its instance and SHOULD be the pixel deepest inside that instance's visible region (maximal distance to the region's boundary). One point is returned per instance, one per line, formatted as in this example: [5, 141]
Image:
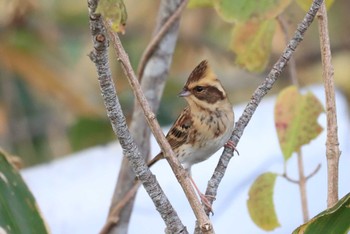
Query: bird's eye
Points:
[199, 88]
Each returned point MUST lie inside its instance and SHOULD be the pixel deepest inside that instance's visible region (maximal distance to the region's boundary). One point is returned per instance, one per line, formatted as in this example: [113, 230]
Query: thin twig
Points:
[180, 173]
[286, 176]
[314, 172]
[99, 56]
[259, 93]
[332, 143]
[157, 38]
[113, 216]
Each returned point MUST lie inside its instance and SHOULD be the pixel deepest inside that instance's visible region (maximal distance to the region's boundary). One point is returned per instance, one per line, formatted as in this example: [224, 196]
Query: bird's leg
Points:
[230, 144]
[203, 197]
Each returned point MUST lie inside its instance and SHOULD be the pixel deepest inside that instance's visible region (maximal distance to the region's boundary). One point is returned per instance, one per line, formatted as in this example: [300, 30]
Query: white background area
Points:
[74, 193]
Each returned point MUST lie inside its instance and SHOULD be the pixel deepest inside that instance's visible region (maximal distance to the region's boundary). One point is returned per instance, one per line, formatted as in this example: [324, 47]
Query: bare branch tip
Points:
[314, 172]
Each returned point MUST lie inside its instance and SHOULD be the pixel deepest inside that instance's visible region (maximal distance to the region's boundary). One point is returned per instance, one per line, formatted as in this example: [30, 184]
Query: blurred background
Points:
[50, 104]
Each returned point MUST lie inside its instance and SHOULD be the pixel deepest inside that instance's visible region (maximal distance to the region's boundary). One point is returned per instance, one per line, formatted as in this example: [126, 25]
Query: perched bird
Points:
[205, 125]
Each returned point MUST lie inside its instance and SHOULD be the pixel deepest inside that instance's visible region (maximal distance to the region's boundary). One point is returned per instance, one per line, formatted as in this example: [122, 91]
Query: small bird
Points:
[205, 125]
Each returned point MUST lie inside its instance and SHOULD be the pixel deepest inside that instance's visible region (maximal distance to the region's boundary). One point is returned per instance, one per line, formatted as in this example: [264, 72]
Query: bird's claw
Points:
[230, 144]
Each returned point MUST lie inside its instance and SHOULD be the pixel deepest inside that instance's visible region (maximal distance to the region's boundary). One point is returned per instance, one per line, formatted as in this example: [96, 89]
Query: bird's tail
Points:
[155, 159]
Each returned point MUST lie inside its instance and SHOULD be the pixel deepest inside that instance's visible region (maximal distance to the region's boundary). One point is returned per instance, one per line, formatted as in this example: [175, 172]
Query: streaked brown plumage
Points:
[206, 124]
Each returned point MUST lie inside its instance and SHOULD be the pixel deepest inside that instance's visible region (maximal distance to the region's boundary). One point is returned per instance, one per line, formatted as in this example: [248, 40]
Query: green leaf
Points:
[87, 132]
[200, 3]
[251, 41]
[234, 11]
[296, 119]
[306, 4]
[19, 212]
[260, 202]
[333, 220]
[114, 11]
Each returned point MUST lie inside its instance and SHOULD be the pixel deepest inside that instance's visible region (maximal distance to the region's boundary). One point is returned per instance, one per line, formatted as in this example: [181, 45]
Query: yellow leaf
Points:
[296, 119]
[260, 202]
[251, 41]
[114, 12]
[234, 11]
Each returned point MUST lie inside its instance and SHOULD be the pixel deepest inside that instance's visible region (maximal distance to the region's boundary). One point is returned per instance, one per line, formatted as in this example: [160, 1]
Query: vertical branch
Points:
[99, 56]
[332, 143]
[153, 81]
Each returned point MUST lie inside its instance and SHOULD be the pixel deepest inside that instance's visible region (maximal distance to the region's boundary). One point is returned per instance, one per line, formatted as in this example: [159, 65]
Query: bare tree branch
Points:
[314, 172]
[153, 83]
[115, 214]
[100, 57]
[332, 143]
[256, 98]
[158, 37]
[181, 175]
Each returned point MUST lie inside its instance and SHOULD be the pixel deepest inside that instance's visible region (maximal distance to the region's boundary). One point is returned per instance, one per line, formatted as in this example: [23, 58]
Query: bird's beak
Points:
[184, 93]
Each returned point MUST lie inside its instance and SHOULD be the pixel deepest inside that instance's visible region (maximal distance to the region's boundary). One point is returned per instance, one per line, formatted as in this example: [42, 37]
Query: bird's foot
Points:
[206, 202]
[230, 144]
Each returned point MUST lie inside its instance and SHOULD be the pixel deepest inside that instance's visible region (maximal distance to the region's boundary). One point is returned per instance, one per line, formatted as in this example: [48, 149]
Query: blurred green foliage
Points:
[19, 212]
[48, 85]
[87, 132]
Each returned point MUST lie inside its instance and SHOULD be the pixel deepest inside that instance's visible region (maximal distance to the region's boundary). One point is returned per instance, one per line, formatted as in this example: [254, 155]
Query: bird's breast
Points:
[209, 133]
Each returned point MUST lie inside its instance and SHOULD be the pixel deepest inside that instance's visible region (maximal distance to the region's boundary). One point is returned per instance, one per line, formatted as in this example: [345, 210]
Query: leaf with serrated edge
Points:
[296, 119]
[333, 220]
[251, 41]
[234, 11]
[260, 202]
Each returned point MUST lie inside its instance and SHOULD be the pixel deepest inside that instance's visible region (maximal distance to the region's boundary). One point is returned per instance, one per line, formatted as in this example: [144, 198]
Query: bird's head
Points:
[203, 88]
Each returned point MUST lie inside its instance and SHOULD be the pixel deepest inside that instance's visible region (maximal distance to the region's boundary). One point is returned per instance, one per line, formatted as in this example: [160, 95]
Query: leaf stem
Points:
[302, 187]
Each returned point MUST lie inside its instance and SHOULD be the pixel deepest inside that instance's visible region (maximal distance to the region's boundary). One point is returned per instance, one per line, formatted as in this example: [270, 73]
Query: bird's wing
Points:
[179, 132]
